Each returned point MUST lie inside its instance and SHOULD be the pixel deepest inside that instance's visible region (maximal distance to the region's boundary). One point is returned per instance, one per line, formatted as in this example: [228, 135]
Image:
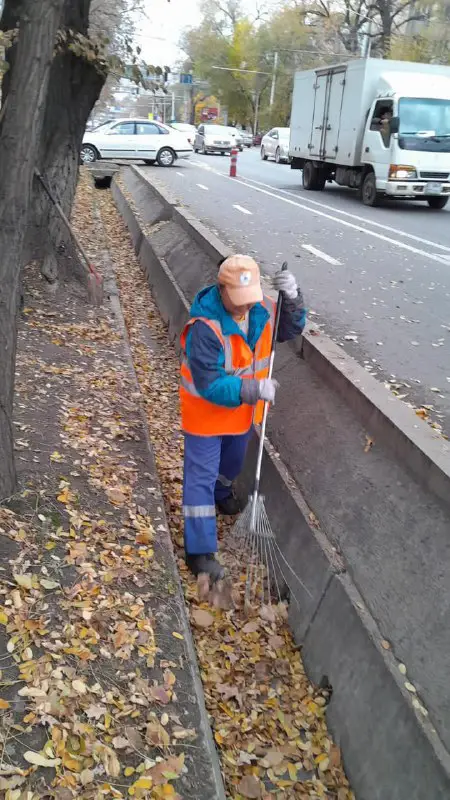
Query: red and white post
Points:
[233, 162]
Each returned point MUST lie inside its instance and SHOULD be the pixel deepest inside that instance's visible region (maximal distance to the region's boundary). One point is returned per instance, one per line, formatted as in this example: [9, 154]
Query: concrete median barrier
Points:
[359, 497]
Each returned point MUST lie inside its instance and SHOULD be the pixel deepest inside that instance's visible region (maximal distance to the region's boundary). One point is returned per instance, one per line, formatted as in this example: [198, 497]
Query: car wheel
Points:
[263, 154]
[278, 156]
[369, 194]
[165, 157]
[88, 154]
[437, 202]
[149, 161]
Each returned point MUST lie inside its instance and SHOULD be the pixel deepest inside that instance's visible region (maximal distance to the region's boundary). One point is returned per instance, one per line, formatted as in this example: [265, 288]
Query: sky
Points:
[159, 32]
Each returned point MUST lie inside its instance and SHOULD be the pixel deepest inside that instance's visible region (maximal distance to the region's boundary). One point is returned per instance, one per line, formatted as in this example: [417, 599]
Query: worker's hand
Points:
[253, 390]
[284, 281]
[267, 389]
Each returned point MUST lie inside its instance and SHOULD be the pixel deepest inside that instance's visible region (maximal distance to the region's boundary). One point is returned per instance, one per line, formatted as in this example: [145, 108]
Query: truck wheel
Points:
[437, 202]
[313, 177]
[369, 194]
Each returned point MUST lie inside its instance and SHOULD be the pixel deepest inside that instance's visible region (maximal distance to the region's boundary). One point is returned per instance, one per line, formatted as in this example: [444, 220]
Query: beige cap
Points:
[240, 275]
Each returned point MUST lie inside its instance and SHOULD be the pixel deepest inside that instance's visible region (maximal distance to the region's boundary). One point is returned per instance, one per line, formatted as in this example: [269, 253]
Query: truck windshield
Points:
[424, 124]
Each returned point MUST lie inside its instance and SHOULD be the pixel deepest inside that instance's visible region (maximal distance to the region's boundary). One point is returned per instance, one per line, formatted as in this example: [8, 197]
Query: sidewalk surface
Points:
[99, 685]
[100, 690]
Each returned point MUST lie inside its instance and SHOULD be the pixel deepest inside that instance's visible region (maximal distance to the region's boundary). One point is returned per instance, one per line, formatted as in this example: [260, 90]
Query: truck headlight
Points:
[402, 172]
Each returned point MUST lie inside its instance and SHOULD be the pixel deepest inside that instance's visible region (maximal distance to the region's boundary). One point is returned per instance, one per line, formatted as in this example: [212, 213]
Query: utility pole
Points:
[274, 78]
[255, 122]
[173, 105]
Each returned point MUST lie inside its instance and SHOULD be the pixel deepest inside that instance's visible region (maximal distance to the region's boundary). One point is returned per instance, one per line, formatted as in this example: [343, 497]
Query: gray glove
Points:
[267, 389]
[284, 281]
[254, 390]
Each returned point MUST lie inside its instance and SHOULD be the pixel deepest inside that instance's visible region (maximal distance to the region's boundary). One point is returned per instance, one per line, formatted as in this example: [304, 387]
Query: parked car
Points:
[257, 139]
[275, 144]
[247, 139]
[135, 138]
[188, 130]
[213, 139]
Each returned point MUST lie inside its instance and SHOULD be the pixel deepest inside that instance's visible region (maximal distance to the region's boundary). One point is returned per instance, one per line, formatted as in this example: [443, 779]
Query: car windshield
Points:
[217, 130]
[424, 124]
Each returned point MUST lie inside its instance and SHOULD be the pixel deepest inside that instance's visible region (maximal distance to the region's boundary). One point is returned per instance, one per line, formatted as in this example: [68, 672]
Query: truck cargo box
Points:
[330, 107]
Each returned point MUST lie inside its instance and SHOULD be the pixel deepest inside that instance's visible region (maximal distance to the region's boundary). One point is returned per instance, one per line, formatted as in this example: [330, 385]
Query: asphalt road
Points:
[377, 280]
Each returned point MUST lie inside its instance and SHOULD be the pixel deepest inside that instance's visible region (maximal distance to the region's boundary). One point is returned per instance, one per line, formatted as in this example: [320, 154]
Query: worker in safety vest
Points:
[225, 363]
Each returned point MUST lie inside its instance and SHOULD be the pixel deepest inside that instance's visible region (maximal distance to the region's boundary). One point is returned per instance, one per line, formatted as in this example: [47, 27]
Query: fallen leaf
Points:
[39, 760]
[49, 584]
[116, 496]
[267, 613]
[385, 644]
[202, 618]
[24, 580]
[120, 742]
[276, 642]
[134, 738]
[156, 734]
[272, 759]
[4, 704]
[79, 686]
[251, 627]
[249, 786]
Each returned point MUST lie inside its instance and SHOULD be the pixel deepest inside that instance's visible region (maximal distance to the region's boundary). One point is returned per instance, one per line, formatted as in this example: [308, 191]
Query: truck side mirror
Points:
[394, 125]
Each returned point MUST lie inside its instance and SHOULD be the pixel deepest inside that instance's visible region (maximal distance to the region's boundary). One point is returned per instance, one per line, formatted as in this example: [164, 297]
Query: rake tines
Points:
[269, 576]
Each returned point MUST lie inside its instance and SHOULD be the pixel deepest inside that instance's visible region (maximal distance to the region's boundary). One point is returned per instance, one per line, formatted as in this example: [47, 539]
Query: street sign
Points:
[185, 77]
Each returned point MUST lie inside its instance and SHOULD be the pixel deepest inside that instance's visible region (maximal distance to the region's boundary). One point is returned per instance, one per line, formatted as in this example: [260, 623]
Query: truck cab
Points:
[407, 146]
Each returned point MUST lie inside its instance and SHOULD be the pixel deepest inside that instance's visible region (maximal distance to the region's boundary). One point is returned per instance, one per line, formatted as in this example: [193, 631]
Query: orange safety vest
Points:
[202, 418]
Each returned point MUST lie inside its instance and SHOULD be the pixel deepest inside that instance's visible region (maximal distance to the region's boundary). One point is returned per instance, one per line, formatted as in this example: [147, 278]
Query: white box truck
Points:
[381, 127]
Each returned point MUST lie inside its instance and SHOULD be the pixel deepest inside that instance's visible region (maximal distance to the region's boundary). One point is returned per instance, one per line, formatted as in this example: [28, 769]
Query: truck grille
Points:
[435, 176]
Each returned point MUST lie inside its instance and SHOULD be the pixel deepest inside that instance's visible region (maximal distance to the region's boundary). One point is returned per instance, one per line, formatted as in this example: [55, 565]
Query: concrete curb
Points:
[215, 770]
[371, 712]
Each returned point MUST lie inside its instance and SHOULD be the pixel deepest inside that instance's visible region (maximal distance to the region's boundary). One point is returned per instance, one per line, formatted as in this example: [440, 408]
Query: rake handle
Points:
[266, 403]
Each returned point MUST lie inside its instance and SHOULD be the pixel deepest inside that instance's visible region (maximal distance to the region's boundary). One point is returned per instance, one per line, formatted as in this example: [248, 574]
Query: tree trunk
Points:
[19, 137]
[74, 87]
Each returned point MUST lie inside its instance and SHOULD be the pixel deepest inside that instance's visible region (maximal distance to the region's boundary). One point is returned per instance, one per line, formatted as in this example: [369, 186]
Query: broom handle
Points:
[266, 404]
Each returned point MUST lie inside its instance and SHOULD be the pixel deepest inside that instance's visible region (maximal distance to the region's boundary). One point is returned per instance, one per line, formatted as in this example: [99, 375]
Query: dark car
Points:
[257, 139]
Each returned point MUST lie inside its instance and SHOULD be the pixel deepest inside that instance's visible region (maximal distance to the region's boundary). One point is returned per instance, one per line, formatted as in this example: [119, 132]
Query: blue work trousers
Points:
[211, 463]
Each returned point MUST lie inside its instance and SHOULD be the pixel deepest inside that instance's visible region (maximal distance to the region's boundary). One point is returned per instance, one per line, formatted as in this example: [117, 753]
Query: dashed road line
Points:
[320, 254]
[180, 174]
[317, 208]
[202, 186]
[242, 209]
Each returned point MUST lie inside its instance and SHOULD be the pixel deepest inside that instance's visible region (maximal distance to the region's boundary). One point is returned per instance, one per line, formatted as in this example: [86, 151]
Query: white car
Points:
[188, 130]
[275, 144]
[212, 138]
[137, 139]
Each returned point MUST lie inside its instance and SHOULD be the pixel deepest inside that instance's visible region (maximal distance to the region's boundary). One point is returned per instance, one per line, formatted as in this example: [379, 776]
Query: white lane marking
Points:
[352, 216]
[402, 245]
[240, 208]
[180, 174]
[247, 181]
[321, 254]
[202, 186]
